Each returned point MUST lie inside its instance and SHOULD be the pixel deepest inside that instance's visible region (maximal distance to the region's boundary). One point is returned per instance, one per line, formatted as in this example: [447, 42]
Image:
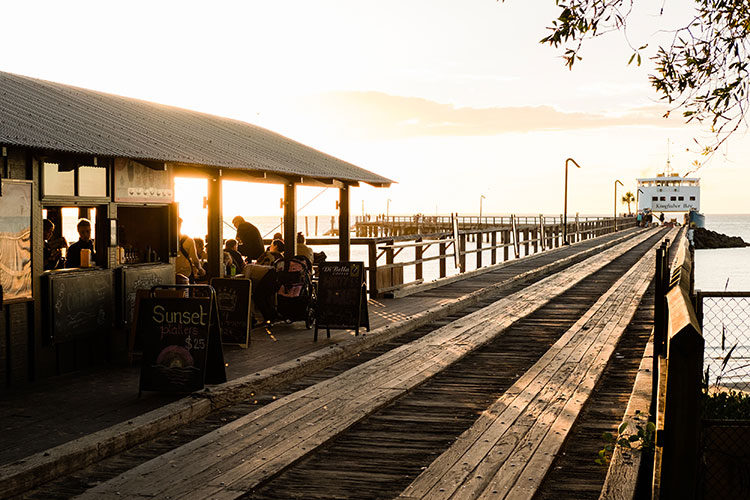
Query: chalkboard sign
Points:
[79, 303]
[233, 297]
[342, 297]
[140, 277]
[178, 335]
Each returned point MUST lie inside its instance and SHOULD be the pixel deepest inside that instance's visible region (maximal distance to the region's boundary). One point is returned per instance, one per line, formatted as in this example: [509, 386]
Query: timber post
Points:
[344, 236]
[443, 269]
[214, 245]
[290, 218]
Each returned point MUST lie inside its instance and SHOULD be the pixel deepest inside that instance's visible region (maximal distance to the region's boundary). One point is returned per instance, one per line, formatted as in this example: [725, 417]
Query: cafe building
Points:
[69, 153]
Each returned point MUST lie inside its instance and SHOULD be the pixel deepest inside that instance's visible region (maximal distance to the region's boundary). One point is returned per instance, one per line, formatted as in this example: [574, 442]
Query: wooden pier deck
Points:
[256, 448]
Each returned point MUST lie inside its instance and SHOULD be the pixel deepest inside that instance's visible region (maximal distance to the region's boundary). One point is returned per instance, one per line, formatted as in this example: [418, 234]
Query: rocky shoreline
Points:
[705, 238]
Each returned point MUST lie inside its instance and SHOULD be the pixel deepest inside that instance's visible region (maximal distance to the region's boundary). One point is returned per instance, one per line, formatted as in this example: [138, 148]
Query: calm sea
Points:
[726, 321]
[721, 268]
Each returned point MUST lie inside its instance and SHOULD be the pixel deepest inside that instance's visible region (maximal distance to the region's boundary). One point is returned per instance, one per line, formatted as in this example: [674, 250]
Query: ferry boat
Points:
[668, 192]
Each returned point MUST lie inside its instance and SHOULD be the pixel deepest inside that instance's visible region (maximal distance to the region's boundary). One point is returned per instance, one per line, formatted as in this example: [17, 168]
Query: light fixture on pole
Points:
[480, 208]
[637, 199]
[621, 184]
[565, 208]
[387, 207]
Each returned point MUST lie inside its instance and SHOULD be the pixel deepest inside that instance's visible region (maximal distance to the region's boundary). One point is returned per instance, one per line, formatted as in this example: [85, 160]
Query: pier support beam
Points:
[215, 241]
[290, 219]
[345, 239]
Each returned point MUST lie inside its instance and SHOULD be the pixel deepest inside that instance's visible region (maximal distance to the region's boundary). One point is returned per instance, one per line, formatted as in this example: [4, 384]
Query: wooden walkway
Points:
[238, 457]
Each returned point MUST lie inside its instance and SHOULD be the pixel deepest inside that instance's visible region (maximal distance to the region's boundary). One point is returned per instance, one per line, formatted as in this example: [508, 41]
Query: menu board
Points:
[342, 297]
[79, 303]
[233, 298]
[178, 337]
[135, 182]
[140, 277]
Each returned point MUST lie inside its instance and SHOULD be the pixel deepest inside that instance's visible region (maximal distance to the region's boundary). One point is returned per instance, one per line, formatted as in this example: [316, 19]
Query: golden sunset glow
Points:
[452, 100]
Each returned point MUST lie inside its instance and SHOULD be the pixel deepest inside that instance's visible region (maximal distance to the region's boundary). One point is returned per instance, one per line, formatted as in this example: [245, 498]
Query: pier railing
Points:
[403, 252]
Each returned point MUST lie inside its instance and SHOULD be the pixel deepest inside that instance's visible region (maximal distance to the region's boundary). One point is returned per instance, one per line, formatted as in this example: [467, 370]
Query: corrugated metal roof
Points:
[41, 114]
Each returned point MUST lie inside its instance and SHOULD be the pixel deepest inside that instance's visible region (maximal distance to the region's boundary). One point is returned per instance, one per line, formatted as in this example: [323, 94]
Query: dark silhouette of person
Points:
[249, 238]
[84, 243]
[231, 248]
[274, 253]
[53, 258]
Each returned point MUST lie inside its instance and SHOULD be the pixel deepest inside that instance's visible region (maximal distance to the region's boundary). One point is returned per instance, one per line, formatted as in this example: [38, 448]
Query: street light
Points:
[637, 199]
[387, 207]
[565, 211]
[480, 208]
[615, 219]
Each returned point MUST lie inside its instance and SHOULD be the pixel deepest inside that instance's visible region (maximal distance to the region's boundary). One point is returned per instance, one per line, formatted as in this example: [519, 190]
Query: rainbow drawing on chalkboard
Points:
[174, 356]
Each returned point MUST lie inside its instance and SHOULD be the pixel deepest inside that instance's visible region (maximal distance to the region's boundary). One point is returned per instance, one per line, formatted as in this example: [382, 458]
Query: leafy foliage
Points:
[703, 71]
[729, 405]
[642, 439]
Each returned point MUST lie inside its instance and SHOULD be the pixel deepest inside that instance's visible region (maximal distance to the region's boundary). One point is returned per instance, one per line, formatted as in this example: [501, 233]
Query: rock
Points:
[705, 238]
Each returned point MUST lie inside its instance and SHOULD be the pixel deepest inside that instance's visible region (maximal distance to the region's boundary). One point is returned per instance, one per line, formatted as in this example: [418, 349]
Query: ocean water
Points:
[726, 321]
[725, 268]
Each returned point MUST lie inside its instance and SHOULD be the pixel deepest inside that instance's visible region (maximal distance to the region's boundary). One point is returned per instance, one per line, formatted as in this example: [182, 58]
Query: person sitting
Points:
[303, 249]
[200, 249]
[187, 262]
[230, 247]
[53, 258]
[249, 238]
[84, 243]
[274, 253]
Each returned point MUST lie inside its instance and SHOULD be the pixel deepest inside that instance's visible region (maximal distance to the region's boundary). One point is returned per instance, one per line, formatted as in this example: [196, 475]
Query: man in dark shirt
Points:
[84, 243]
[249, 238]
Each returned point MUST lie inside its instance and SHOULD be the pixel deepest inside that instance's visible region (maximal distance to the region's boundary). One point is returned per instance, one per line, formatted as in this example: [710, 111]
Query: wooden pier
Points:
[499, 379]
[497, 385]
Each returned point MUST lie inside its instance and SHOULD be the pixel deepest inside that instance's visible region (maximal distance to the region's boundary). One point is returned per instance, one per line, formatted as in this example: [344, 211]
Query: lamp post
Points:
[387, 208]
[637, 199]
[565, 208]
[615, 219]
[480, 208]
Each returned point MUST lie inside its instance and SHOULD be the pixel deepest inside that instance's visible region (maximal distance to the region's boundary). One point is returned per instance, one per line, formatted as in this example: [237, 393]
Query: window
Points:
[92, 181]
[654, 198]
[680, 198]
[672, 198]
[58, 182]
[67, 179]
[692, 198]
[663, 198]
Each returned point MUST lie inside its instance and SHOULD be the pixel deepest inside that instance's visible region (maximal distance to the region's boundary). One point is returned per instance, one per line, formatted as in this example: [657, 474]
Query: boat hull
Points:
[697, 218]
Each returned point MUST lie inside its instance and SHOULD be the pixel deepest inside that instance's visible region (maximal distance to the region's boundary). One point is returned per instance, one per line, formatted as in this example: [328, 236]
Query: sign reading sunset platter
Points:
[178, 334]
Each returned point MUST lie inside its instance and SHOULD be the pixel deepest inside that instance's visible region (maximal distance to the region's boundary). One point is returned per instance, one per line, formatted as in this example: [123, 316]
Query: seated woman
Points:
[274, 253]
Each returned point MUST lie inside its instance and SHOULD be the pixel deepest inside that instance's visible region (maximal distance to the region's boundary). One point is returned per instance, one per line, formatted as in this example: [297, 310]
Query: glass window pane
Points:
[92, 181]
[57, 183]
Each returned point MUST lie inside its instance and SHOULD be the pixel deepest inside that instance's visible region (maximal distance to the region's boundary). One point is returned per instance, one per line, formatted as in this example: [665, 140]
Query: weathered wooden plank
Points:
[463, 470]
[456, 339]
[622, 474]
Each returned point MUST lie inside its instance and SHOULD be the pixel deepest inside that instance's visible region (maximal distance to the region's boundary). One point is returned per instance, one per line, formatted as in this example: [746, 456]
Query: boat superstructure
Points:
[668, 192]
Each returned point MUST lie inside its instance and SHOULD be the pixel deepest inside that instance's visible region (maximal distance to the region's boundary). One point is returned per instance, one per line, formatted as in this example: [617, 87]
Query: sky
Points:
[453, 100]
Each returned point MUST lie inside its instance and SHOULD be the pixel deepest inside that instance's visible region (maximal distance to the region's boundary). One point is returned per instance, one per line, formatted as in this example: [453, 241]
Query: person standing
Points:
[84, 243]
[248, 237]
[187, 262]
